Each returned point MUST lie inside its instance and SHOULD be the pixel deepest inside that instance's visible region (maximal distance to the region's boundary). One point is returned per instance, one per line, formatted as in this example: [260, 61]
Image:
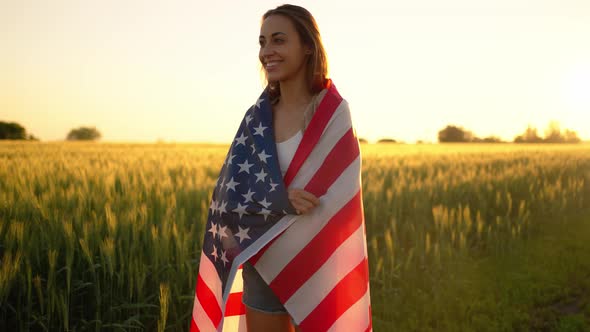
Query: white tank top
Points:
[286, 151]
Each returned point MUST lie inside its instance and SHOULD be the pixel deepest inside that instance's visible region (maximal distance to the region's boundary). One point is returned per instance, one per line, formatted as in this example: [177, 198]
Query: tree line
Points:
[458, 134]
[553, 134]
[14, 131]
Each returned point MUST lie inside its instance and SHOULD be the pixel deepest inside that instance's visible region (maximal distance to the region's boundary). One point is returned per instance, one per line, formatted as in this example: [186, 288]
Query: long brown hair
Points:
[309, 34]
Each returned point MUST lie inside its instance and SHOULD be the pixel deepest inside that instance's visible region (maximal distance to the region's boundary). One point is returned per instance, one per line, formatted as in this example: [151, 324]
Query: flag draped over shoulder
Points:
[315, 263]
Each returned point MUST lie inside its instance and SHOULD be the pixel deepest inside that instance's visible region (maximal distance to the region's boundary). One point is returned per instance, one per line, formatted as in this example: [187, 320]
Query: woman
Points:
[295, 64]
[288, 207]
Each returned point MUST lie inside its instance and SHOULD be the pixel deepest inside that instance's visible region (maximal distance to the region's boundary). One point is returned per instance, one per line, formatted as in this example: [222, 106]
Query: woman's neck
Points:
[294, 92]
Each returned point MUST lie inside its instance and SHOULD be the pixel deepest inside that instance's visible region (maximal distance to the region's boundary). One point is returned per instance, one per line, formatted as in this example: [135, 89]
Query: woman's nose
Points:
[266, 51]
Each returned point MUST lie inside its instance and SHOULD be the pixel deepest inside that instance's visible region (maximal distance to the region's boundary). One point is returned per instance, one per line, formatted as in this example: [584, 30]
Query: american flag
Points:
[316, 263]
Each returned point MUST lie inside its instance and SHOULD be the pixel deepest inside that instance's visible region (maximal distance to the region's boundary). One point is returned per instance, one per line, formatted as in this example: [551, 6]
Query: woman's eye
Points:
[278, 41]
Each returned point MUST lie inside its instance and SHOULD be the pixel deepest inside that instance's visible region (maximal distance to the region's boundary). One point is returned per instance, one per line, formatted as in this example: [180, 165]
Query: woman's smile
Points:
[271, 65]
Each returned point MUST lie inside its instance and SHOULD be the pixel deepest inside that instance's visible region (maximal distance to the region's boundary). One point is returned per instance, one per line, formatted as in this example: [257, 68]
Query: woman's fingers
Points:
[298, 193]
[302, 204]
[310, 197]
[302, 200]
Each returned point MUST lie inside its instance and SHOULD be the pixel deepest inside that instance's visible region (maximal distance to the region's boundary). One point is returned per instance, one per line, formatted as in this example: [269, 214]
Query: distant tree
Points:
[12, 130]
[530, 136]
[553, 134]
[83, 134]
[387, 140]
[492, 139]
[453, 133]
[571, 136]
[489, 139]
[362, 140]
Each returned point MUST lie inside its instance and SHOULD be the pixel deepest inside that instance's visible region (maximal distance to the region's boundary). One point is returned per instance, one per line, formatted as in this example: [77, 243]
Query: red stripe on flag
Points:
[314, 130]
[318, 250]
[234, 305]
[194, 327]
[208, 301]
[349, 290]
[335, 163]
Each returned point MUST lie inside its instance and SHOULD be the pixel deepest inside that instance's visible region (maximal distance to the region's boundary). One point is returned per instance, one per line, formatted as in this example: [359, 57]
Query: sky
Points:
[186, 71]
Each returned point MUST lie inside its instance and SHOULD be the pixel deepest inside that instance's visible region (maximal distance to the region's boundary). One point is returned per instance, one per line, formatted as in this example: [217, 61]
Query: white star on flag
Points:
[213, 206]
[222, 232]
[240, 209]
[223, 258]
[263, 156]
[213, 229]
[243, 233]
[273, 186]
[222, 207]
[245, 167]
[253, 148]
[265, 203]
[248, 196]
[241, 139]
[229, 158]
[265, 213]
[248, 119]
[232, 184]
[259, 130]
[214, 253]
[258, 102]
[261, 176]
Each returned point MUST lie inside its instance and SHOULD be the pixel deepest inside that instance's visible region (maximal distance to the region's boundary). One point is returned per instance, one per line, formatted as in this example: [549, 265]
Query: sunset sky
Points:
[181, 70]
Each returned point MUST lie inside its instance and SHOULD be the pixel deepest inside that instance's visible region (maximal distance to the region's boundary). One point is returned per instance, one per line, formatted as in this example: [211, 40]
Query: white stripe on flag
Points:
[238, 284]
[341, 111]
[344, 259]
[235, 324]
[356, 318]
[201, 319]
[300, 233]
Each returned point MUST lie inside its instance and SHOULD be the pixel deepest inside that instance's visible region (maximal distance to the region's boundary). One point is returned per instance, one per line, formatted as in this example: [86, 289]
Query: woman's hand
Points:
[302, 200]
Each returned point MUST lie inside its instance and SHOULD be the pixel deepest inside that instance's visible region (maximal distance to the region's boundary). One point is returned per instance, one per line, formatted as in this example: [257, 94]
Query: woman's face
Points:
[281, 52]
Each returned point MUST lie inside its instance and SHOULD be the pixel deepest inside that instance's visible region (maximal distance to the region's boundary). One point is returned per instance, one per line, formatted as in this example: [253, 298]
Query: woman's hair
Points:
[309, 34]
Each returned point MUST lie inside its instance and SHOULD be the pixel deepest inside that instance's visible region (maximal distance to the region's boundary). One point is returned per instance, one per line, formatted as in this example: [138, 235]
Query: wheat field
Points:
[97, 236]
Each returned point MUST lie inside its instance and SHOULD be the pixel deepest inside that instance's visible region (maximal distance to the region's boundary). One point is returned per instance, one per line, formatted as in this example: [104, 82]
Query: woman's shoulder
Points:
[342, 109]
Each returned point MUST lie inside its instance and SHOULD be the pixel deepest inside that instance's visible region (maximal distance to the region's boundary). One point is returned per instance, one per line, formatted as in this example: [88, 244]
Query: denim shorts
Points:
[257, 294]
